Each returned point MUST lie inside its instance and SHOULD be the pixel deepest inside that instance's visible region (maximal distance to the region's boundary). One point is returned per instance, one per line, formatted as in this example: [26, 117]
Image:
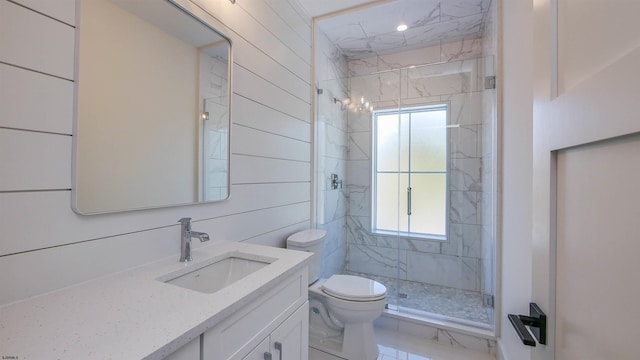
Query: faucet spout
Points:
[200, 235]
[185, 239]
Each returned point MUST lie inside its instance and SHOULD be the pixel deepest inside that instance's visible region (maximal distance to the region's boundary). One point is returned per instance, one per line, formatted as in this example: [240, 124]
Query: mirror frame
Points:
[199, 143]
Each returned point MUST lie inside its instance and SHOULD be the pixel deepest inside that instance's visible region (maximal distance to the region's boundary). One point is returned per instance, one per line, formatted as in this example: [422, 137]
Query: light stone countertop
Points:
[132, 315]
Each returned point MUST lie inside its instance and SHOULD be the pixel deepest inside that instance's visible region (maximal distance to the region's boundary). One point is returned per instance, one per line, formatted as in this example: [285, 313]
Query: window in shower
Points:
[410, 172]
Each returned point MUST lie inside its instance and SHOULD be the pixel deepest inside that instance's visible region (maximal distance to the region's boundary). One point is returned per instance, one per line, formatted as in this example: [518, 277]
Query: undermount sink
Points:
[220, 273]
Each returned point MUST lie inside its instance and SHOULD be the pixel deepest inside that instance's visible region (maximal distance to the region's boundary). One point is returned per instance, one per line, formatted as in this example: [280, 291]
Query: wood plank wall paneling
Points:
[256, 116]
[264, 14]
[48, 270]
[260, 63]
[257, 143]
[51, 212]
[39, 43]
[61, 10]
[251, 169]
[278, 237]
[42, 103]
[300, 24]
[245, 26]
[250, 85]
[34, 161]
[271, 145]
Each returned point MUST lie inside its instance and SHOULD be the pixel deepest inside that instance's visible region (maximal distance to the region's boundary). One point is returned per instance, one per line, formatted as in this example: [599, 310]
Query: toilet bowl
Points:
[342, 308]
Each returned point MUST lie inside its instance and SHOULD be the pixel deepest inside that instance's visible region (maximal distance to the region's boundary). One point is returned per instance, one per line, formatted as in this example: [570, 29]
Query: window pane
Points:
[404, 141]
[411, 146]
[387, 142]
[391, 202]
[387, 202]
[428, 203]
[429, 141]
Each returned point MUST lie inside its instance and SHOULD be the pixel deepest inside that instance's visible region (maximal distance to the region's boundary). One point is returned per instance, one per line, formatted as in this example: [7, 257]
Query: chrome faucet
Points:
[185, 239]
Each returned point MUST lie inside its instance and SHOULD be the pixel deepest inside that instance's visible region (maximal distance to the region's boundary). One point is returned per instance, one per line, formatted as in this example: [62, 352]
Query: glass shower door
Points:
[449, 145]
[375, 123]
[410, 187]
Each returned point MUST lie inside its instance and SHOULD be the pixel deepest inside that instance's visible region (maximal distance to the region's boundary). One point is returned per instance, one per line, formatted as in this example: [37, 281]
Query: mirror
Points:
[152, 116]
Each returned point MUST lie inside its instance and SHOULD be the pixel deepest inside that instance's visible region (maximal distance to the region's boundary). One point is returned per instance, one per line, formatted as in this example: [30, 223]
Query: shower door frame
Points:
[489, 288]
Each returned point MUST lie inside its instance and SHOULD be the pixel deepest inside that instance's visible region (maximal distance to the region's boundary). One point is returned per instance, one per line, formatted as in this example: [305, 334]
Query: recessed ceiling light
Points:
[402, 27]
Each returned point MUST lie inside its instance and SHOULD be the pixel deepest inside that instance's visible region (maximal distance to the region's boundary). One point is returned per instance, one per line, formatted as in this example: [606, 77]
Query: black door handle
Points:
[537, 321]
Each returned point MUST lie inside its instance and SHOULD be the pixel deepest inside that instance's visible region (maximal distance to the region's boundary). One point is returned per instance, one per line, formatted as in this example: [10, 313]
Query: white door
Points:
[586, 211]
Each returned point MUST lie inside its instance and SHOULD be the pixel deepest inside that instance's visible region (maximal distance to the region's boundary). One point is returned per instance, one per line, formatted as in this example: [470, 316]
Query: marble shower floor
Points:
[441, 300]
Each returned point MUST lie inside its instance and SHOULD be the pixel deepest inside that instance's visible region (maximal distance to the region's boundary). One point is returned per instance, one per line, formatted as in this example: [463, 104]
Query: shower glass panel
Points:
[344, 147]
[388, 181]
[444, 267]
[330, 171]
[419, 188]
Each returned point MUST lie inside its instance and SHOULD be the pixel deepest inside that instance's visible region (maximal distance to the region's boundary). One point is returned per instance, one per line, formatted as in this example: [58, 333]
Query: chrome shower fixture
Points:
[335, 182]
[343, 104]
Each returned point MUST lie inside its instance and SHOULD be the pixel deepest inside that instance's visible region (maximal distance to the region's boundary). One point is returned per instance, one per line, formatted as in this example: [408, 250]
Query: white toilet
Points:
[341, 308]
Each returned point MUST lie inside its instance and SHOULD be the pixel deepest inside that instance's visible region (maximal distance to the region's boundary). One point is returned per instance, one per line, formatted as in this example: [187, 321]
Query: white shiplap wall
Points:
[45, 246]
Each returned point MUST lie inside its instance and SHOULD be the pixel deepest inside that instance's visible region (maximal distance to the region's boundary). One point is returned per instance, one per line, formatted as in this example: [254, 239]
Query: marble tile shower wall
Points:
[455, 77]
[331, 152]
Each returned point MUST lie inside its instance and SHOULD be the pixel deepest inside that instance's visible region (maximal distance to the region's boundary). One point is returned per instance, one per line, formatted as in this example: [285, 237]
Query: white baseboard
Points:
[499, 351]
[455, 338]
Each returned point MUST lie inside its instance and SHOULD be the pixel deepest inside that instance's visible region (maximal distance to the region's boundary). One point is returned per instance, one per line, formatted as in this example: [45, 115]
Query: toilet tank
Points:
[311, 241]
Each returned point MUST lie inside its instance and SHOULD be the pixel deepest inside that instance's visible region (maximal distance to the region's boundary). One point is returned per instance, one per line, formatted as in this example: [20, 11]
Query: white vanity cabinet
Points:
[190, 351]
[261, 352]
[290, 341]
[277, 319]
[137, 314]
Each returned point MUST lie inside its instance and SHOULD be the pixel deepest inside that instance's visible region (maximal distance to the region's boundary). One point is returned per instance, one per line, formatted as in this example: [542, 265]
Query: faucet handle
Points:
[185, 220]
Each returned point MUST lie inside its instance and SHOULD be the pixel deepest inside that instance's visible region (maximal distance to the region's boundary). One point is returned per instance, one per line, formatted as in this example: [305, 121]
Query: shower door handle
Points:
[409, 201]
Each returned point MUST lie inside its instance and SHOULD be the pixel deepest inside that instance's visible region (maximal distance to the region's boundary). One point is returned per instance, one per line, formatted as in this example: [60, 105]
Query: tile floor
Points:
[395, 346]
[450, 302]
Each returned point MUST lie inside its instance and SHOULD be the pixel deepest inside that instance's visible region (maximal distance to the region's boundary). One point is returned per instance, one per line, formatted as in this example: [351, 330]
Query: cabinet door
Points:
[290, 341]
[235, 336]
[190, 351]
[259, 352]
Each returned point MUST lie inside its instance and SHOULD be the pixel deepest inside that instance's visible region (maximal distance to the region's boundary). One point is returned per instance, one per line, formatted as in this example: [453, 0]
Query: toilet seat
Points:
[354, 288]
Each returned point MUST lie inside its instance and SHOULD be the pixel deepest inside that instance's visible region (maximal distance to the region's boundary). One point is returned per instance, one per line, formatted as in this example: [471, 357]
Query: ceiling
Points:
[322, 7]
[371, 30]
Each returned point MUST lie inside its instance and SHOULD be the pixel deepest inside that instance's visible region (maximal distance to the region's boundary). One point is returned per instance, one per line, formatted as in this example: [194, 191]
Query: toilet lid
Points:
[306, 238]
[356, 288]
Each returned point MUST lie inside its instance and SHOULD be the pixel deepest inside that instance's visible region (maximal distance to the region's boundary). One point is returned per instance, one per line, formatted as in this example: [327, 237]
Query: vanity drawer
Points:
[235, 336]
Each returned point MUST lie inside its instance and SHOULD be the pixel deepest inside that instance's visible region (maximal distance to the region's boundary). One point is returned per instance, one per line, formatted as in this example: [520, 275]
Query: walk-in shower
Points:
[408, 121]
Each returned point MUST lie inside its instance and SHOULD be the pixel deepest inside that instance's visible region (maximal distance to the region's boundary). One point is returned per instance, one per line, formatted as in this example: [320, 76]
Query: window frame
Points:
[446, 106]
